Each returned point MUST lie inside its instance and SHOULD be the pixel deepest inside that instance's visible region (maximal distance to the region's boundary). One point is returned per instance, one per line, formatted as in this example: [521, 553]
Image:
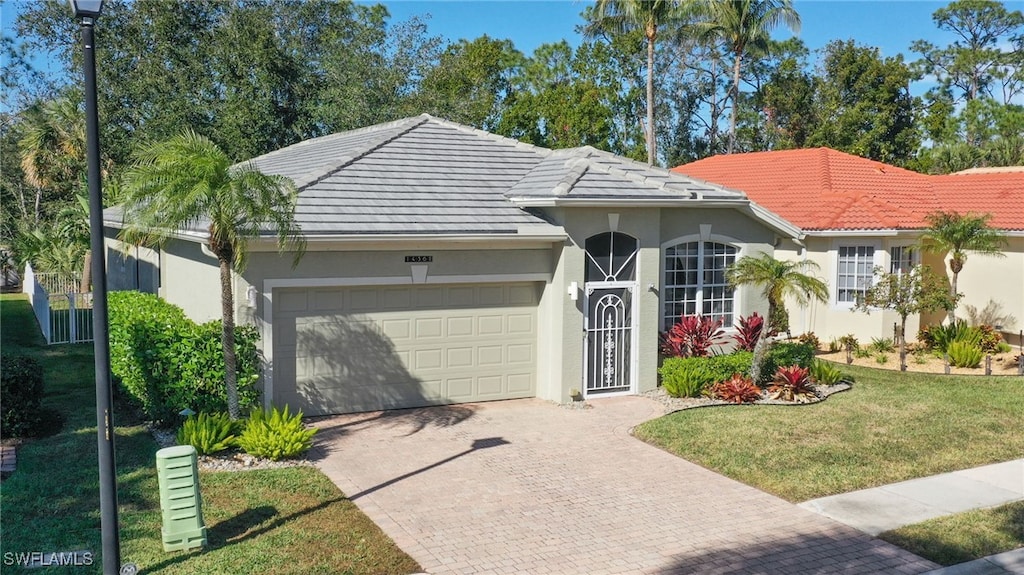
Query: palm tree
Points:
[52, 146]
[188, 181]
[745, 26]
[648, 15]
[955, 233]
[778, 280]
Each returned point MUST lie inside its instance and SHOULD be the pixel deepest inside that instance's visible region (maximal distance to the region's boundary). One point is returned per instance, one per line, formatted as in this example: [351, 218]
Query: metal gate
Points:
[609, 342]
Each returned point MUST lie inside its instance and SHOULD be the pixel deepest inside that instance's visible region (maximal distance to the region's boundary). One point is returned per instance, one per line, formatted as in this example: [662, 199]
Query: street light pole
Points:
[87, 12]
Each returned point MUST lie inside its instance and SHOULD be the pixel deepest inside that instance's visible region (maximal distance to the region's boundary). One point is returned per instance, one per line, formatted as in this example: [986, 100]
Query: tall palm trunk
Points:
[952, 294]
[651, 33]
[735, 102]
[761, 347]
[86, 281]
[227, 337]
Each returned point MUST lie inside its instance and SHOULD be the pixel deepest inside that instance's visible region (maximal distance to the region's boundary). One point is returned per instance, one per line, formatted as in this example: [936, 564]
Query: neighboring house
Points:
[857, 214]
[445, 265]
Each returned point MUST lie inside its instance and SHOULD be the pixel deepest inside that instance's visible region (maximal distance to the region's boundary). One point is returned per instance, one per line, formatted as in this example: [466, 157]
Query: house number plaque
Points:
[418, 259]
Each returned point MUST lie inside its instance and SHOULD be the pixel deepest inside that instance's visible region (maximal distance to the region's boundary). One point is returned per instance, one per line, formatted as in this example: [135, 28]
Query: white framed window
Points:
[855, 270]
[902, 259]
[695, 281]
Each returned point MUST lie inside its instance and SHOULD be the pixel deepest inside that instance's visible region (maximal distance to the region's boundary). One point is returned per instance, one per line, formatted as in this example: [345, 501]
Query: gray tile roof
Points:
[424, 175]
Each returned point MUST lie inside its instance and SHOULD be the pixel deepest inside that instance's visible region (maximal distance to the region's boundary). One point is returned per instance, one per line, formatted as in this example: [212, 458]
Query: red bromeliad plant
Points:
[737, 389]
[692, 336]
[747, 331]
[792, 383]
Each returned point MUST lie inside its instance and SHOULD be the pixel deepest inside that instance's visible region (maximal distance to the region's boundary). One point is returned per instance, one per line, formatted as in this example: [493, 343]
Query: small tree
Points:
[778, 279]
[957, 234]
[916, 291]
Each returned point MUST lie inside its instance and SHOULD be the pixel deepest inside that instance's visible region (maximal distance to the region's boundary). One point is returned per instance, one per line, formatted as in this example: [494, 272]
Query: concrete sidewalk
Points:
[890, 506]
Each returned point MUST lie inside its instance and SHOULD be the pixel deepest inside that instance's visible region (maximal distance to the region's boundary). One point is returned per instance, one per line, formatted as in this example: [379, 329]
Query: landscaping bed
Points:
[889, 427]
[290, 520]
[1002, 363]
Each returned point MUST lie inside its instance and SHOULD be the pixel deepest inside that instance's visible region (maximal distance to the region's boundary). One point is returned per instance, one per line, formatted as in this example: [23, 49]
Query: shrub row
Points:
[166, 362]
[689, 376]
[275, 434]
[21, 392]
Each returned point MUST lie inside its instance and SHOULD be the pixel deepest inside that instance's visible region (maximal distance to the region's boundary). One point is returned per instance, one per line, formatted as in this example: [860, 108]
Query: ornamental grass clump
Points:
[276, 434]
[964, 354]
[824, 373]
[208, 432]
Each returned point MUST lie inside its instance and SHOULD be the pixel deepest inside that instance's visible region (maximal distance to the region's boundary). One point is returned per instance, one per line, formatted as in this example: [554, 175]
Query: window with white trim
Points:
[855, 272]
[902, 259]
[695, 281]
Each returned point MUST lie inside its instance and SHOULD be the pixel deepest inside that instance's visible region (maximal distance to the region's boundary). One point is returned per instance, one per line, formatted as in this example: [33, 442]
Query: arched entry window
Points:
[695, 281]
[611, 257]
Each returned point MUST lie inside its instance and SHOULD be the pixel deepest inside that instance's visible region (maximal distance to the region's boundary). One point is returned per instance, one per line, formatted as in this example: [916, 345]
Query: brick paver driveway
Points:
[525, 486]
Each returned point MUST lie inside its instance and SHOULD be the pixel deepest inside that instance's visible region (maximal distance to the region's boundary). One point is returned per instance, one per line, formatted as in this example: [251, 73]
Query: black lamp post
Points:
[86, 11]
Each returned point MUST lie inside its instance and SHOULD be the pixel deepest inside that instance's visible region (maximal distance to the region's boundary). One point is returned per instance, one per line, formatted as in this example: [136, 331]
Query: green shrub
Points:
[686, 375]
[939, 337]
[881, 359]
[21, 393]
[882, 345]
[166, 362]
[208, 433]
[784, 354]
[1003, 347]
[862, 352]
[683, 377]
[825, 373]
[963, 354]
[275, 434]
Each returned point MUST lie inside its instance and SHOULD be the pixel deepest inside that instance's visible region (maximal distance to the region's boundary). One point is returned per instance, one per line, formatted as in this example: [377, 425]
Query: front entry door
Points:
[609, 327]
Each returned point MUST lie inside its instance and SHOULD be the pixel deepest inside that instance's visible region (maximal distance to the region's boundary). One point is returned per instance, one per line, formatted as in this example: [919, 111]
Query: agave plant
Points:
[792, 383]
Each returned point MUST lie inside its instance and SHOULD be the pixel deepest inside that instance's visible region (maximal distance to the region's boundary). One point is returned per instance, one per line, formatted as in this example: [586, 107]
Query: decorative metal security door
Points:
[609, 339]
[610, 283]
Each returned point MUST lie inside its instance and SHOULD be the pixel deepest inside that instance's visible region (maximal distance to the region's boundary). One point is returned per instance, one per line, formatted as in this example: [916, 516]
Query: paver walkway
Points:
[525, 486]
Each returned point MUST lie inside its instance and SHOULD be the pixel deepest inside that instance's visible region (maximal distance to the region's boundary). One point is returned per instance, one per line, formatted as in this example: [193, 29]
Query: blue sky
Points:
[891, 26]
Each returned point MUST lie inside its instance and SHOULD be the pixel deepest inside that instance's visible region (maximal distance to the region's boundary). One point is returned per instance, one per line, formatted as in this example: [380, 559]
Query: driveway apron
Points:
[525, 486]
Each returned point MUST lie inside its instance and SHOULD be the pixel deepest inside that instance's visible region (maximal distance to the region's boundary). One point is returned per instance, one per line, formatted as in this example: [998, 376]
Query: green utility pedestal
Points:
[180, 502]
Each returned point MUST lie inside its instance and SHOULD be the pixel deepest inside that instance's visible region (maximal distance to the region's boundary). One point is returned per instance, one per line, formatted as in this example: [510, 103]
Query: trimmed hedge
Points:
[21, 392]
[166, 362]
[685, 373]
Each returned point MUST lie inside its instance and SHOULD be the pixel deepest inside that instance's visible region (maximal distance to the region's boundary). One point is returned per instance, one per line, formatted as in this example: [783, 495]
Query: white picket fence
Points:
[63, 313]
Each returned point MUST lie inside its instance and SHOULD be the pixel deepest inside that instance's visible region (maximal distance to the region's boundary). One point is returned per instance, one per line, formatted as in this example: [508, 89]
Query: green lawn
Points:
[276, 521]
[964, 536]
[890, 427]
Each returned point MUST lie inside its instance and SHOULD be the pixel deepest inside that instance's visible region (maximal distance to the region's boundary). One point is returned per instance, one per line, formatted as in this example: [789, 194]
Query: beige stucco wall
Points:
[1000, 279]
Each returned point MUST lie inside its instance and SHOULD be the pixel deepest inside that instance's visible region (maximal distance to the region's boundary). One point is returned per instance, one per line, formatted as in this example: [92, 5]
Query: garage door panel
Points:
[460, 326]
[490, 325]
[358, 349]
[428, 328]
[520, 383]
[520, 353]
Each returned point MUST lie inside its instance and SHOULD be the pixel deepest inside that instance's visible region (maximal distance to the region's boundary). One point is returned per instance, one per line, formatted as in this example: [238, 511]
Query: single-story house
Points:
[445, 264]
[856, 214]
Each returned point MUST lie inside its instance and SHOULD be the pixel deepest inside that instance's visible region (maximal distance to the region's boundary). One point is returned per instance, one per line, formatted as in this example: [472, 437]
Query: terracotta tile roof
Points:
[825, 189]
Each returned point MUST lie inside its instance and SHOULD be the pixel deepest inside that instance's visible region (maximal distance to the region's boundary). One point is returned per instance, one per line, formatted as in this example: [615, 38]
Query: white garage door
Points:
[341, 350]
